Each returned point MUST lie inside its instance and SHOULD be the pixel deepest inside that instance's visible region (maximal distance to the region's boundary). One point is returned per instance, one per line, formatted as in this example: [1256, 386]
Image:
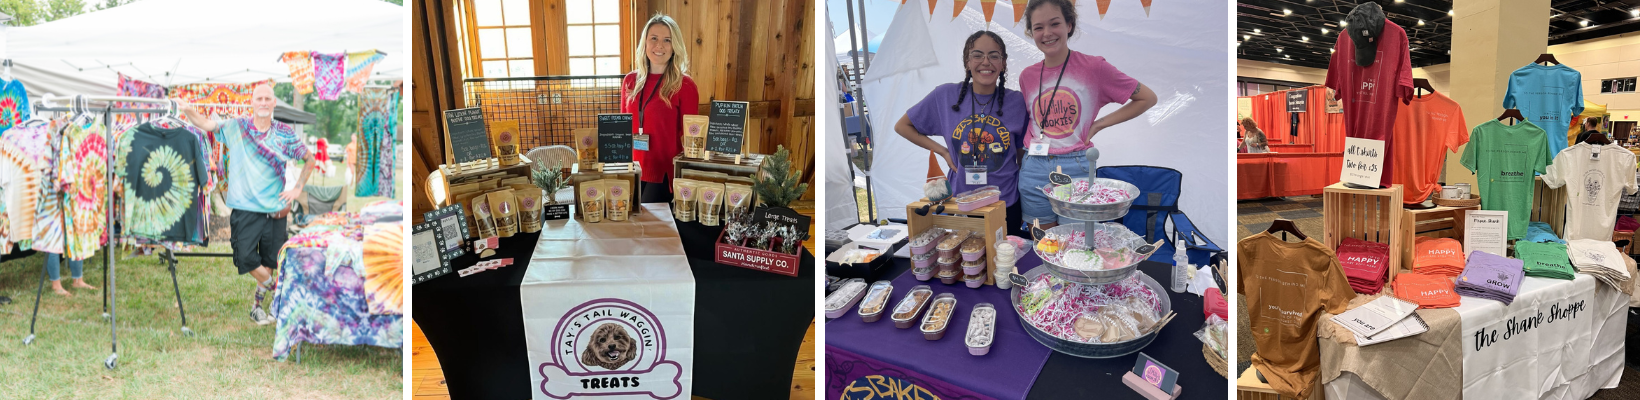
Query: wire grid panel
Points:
[548, 108]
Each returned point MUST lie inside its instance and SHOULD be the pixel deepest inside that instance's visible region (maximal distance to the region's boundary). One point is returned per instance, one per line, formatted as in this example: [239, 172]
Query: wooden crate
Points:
[747, 167]
[1373, 215]
[987, 220]
[1249, 388]
[1549, 205]
[1438, 222]
[580, 174]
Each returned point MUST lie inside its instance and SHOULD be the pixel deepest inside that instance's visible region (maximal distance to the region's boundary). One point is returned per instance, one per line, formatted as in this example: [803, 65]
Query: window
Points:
[501, 45]
[1617, 85]
[594, 32]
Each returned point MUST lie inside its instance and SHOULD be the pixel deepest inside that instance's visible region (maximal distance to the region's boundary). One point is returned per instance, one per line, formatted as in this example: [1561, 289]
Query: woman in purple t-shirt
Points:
[981, 122]
[1065, 92]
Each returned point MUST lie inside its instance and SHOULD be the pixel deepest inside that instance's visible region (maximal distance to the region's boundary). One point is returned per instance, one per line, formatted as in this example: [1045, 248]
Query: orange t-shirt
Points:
[1443, 256]
[1287, 285]
[1424, 129]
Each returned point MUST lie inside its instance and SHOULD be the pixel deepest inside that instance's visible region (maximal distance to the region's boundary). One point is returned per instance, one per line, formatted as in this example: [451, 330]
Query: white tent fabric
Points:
[1174, 51]
[841, 210]
[174, 42]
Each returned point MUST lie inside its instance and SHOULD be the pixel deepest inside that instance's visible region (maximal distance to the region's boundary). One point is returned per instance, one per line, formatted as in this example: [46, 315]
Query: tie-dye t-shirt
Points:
[1062, 119]
[14, 107]
[84, 161]
[257, 173]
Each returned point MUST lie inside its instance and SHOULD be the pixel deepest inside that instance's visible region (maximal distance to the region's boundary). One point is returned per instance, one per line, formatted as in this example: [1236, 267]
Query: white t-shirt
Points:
[1598, 177]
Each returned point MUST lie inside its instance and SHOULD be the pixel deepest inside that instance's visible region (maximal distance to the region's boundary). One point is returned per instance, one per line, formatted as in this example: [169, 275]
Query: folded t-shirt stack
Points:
[1490, 276]
[1429, 291]
[1365, 264]
[1599, 258]
[1433, 256]
[1540, 232]
[1545, 260]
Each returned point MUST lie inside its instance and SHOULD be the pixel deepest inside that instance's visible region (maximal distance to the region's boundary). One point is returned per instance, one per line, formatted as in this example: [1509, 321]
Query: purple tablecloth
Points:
[1006, 373]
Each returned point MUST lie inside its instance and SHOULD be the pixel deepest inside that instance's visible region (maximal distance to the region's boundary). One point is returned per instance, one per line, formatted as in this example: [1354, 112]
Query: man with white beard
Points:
[258, 148]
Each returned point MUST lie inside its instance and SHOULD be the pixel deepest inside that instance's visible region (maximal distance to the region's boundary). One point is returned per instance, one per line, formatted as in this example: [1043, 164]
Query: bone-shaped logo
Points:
[660, 382]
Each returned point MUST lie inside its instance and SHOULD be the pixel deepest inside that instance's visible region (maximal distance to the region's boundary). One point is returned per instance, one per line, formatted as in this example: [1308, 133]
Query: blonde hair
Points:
[1253, 136]
[676, 67]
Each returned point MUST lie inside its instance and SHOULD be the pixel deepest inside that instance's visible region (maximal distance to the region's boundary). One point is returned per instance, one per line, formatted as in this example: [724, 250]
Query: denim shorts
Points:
[1034, 175]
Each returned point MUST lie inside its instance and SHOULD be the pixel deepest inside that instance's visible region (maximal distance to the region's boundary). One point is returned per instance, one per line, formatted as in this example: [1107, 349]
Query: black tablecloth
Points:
[748, 324]
[1070, 377]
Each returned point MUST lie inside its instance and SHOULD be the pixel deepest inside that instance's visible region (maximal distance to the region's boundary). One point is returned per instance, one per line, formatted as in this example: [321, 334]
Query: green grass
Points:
[228, 357]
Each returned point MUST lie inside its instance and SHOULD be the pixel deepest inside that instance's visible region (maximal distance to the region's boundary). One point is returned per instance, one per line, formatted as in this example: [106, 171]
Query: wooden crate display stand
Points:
[1549, 205]
[1373, 215]
[1249, 388]
[630, 172]
[1438, 222]
[986, 220]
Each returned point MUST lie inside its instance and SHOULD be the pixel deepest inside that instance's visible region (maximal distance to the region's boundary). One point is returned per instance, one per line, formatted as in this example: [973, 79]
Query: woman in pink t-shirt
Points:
[1064, 93]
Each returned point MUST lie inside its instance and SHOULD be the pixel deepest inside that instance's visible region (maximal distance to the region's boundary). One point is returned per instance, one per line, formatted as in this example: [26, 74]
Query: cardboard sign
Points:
[1298, 100]
[1363, 162]
[452, 226]
[1486, 231]
[425, 263]
[614, 138]
[1244, 108]
[464, 131]
[726, 130]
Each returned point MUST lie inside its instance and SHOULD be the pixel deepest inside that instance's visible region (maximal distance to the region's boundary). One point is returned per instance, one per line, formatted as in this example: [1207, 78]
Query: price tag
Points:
[1363, 162]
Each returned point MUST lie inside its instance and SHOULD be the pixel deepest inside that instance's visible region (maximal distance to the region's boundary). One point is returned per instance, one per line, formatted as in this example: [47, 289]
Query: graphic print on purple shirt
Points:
[979, 137]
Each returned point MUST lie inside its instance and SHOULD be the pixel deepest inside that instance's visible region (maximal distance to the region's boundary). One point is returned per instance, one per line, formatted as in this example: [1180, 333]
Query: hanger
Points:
[1286, 226]
[1597, 138]
[1512, 113]
[1546, 58]
[1421, 83]
[170, 116]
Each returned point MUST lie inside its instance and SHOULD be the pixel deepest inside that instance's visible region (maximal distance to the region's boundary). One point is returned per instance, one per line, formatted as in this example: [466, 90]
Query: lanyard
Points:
[642, 101]
[1054, 92]
[974, 114]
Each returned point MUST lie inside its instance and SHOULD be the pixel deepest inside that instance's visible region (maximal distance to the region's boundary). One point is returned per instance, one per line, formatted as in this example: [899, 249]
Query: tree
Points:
[59, 9]
[107, 4]
[22, 12]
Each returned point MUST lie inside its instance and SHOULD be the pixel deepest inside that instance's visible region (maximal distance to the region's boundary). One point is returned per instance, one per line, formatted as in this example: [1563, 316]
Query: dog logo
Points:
[610, 347]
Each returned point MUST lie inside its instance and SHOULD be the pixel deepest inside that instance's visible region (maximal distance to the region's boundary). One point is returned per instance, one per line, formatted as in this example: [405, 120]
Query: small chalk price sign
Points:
[726, 128]
[464, 130]
[1363, 162]
[780, 217]
[614, 138]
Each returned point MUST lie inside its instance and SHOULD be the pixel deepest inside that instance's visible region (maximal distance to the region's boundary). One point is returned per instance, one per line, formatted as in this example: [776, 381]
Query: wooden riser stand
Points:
[1438, 222]
[594, 171]
[1373, 215]
[986, 220]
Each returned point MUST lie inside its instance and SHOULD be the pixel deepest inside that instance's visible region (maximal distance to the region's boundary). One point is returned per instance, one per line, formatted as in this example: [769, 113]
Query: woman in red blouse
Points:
[658, 92]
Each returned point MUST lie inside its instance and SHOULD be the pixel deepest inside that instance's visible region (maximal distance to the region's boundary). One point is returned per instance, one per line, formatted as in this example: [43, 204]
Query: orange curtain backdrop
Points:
[1316, 127]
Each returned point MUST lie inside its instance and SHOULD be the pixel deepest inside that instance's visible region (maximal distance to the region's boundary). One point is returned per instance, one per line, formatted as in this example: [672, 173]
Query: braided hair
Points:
[1002, 78]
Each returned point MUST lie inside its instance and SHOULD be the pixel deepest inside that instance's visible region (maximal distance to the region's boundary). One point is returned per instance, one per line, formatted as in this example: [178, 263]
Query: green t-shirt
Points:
[1547, 260]
[1504, 158]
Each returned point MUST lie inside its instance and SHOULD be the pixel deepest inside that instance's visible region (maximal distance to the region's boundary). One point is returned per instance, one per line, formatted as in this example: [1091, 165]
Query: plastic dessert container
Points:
[982, 327]
[906, 311]
[938, 317]
[875, 301]
[838, 302]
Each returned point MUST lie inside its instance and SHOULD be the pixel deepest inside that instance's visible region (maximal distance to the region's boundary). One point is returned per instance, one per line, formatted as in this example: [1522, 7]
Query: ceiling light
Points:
[1448, 12]
[1304, 38]
[1256, 30]
[1278, 49]
[1583, 22]
[1238, 43]
[1246, 37]
[1420, 22]
[1343, 23]
[1285, 11]
[1329, 51]
[1634, 12]
[1324, 31]
[1400, 1]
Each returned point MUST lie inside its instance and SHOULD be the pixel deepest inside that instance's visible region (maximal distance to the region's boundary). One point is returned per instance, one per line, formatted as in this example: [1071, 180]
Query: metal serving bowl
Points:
[1092, 350]
[1098, 277]
[1097, 212]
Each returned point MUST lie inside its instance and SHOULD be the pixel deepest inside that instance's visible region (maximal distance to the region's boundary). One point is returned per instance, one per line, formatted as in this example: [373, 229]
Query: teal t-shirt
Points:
[256, 174]
[1548, 96]
[1504, 158]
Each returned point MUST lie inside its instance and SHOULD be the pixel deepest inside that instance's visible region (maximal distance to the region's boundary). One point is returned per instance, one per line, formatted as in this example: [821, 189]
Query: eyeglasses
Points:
[975, 56]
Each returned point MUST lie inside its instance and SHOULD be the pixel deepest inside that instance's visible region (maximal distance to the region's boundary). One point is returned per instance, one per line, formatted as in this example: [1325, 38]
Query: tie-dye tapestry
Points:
[375, 147]
[301, 70]
[359, 66]
[133, 87]
[217, 93]
[329, 74]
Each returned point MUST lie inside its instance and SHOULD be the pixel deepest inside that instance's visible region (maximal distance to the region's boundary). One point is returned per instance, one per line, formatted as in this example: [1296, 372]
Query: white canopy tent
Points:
[1173, 51]
[174, 42]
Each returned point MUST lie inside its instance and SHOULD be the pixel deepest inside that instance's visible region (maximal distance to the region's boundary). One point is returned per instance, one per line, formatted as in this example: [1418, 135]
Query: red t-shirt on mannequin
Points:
[663, 122]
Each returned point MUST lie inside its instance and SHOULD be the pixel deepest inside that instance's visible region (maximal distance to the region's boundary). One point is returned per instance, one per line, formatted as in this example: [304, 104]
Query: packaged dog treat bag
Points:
[620, 198]
[484, 216]
[683, 200]
[505, 208]
[592, 201]
[505, 136]
[607, 323]
[529, 209]
[694, 135]
[737, 201]
[710, 207]
[586, 145]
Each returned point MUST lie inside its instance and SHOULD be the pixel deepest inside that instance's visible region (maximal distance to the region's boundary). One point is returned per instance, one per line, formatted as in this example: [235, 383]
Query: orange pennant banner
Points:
[990, 6]
[956, 9]
[1019, 10]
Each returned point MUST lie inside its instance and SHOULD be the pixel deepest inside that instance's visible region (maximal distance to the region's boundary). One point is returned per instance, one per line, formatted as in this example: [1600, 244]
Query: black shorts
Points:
[256, 239]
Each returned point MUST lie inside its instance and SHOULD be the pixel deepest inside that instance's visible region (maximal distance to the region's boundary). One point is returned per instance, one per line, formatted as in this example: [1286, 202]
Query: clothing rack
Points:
[79, 105]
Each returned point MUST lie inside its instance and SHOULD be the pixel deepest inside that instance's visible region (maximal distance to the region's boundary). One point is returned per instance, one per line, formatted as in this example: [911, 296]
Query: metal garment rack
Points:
[79, 105]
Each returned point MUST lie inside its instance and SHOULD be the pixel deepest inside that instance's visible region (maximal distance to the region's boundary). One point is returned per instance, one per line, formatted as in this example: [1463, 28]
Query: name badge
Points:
[974, 175]
[640, 142]
[1038, 149]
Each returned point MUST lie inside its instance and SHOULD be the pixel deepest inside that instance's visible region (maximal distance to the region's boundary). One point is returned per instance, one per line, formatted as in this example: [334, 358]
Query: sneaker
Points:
[260, 316]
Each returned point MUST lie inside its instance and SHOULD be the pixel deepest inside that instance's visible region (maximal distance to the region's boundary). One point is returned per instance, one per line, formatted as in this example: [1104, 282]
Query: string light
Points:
[1304, 38]
[1324, 31]
[1285, 11]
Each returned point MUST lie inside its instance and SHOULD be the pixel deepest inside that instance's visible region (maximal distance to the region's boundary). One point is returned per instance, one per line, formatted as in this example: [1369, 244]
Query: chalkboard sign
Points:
[614, 138]
[1298, 100]
[780, 216]
[464, 131]
[727, 129]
